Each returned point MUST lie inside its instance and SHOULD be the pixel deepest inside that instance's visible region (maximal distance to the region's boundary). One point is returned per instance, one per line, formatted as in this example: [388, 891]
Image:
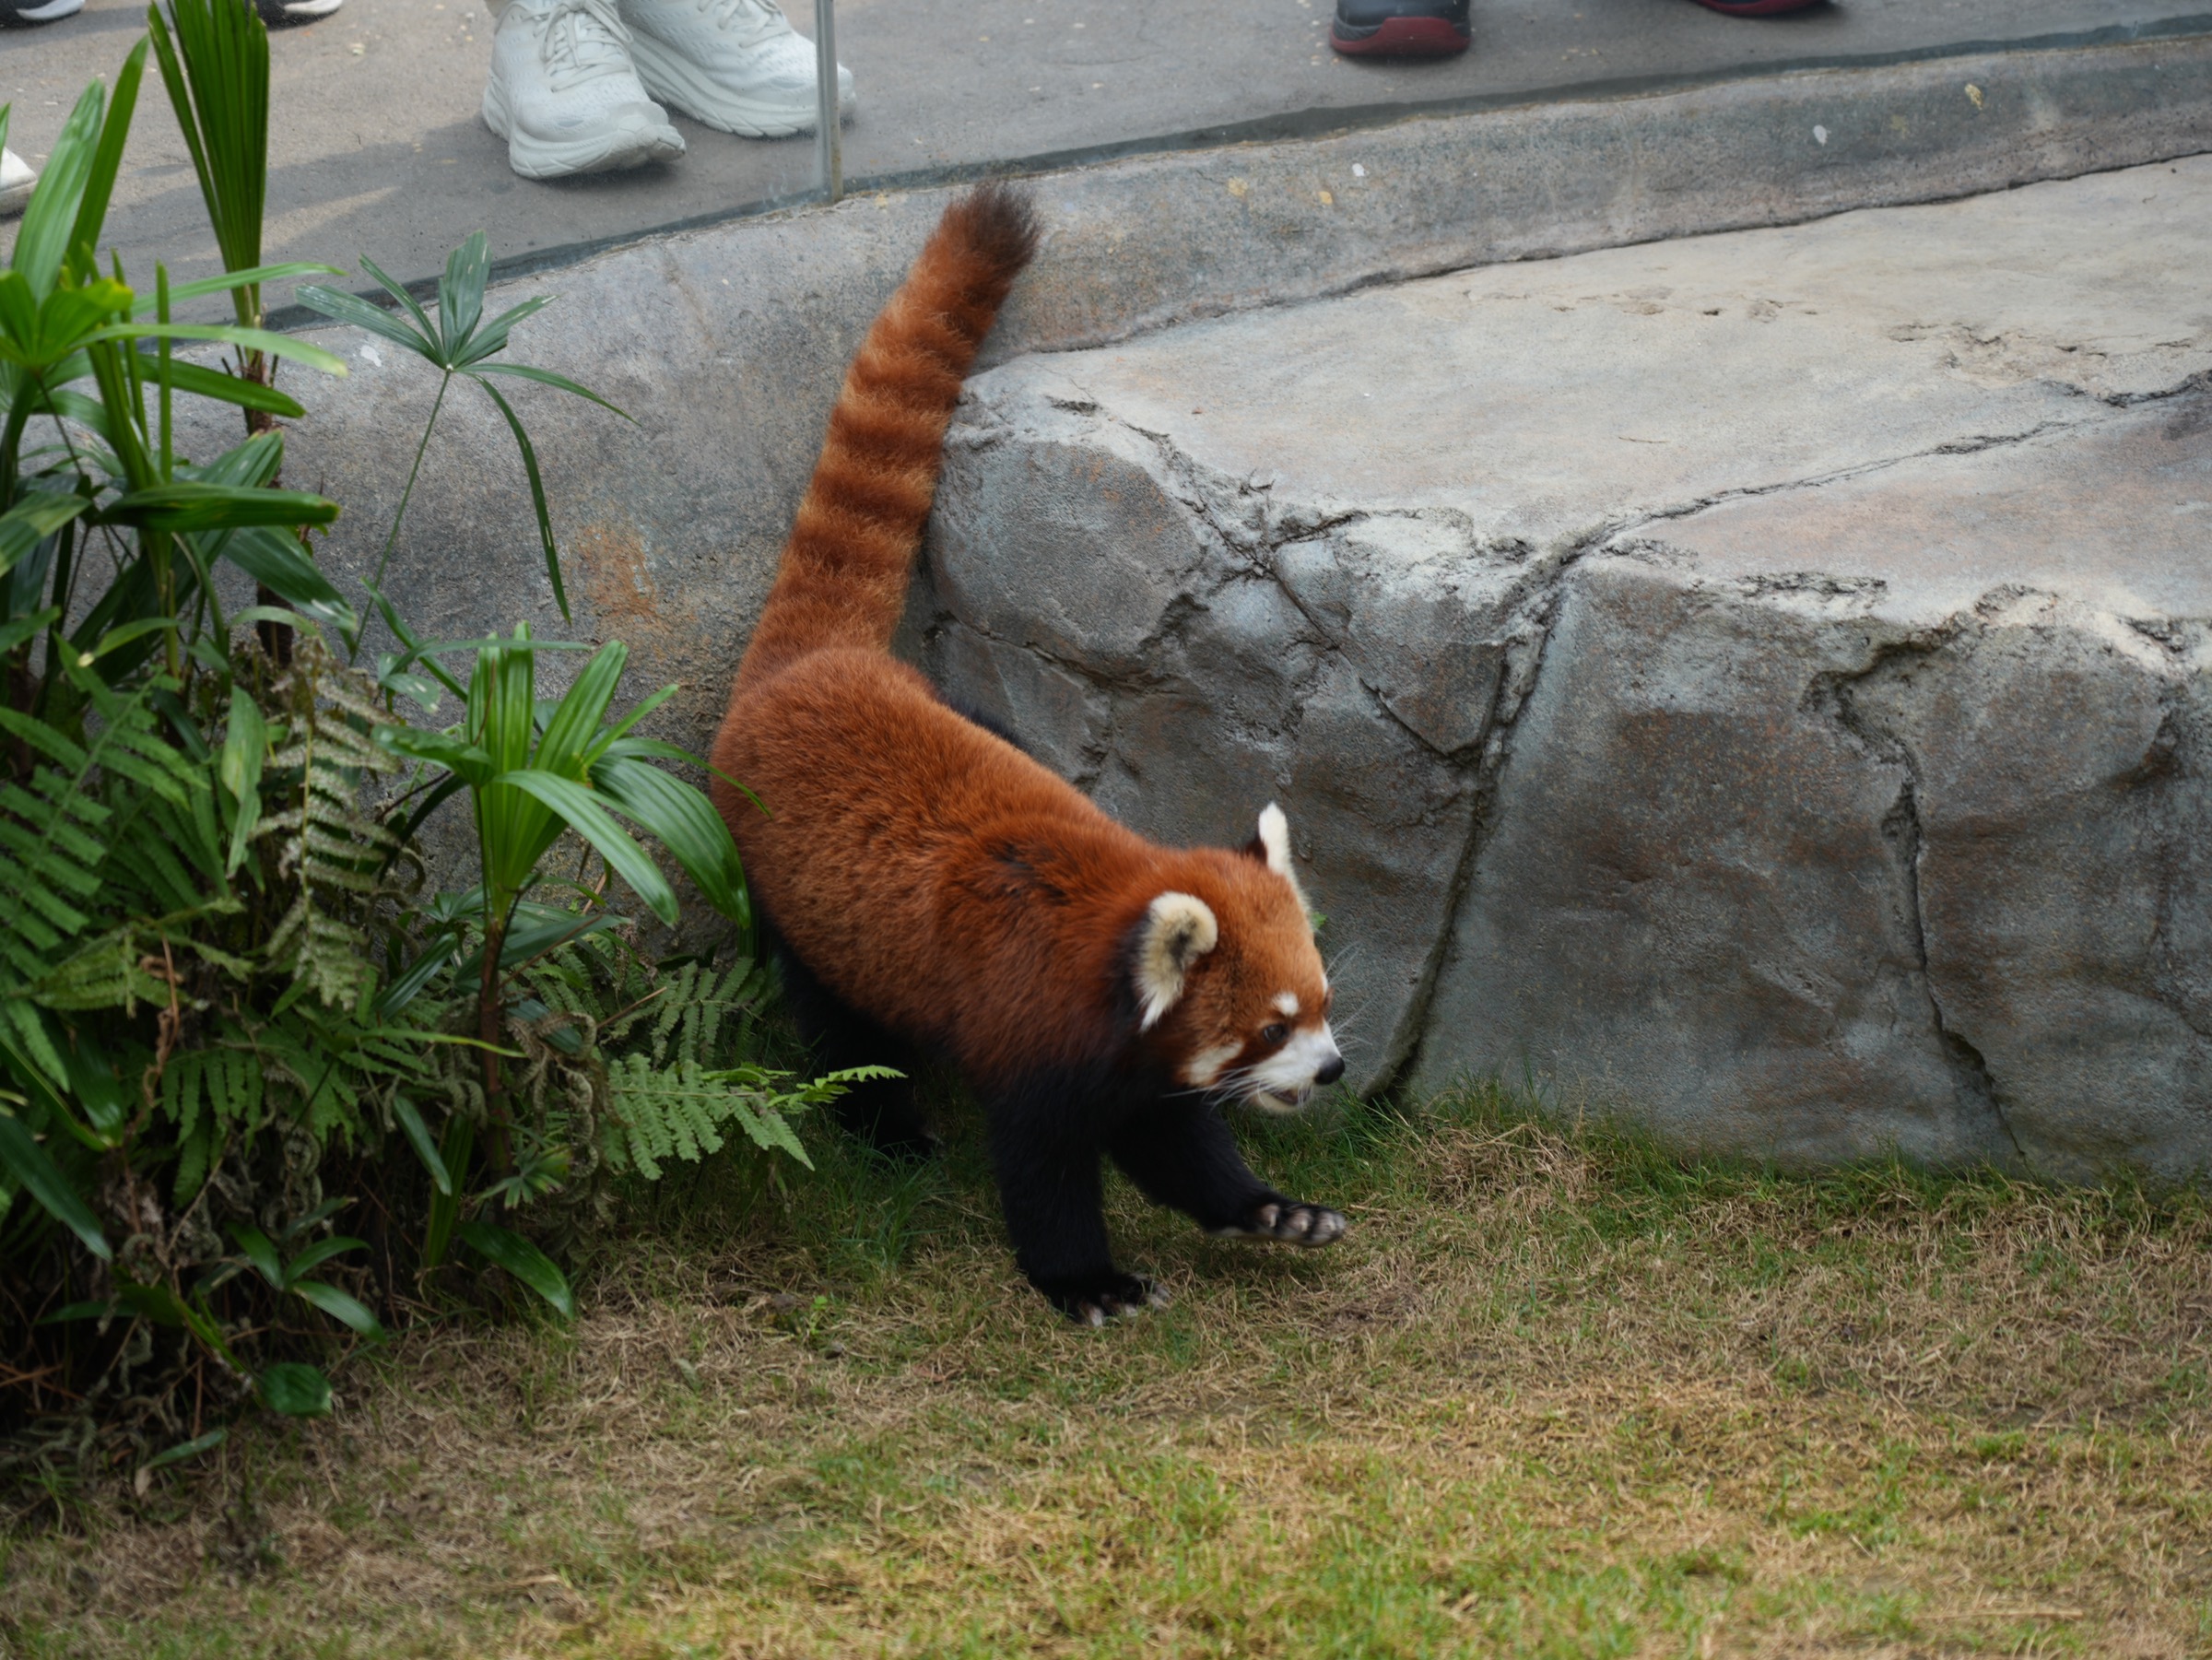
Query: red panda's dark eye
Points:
[1274, 1034]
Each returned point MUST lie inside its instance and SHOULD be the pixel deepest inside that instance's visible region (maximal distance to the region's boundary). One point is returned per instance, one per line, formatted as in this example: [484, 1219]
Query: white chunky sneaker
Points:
[28, 13]
[289, 14]
[16, 177]
[735, 65]
[565, 96]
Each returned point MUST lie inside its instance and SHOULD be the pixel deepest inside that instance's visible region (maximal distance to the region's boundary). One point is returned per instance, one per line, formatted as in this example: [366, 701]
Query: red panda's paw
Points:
[1093, 1299]
[1291, 1222]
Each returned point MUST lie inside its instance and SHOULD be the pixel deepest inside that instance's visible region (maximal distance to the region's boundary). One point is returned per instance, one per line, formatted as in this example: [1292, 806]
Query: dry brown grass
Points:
[1555, 1394]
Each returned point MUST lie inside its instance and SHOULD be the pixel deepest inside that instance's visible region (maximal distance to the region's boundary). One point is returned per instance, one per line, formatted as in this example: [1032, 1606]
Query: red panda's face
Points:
[1234, 983]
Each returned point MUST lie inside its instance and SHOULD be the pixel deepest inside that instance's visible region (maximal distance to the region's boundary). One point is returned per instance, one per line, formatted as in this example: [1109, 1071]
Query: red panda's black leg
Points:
[1047, 1186]
[1181, 1154]
[883, 1113]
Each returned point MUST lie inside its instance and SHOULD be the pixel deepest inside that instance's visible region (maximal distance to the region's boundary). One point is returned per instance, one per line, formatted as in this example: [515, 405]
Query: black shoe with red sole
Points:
[1400, 29]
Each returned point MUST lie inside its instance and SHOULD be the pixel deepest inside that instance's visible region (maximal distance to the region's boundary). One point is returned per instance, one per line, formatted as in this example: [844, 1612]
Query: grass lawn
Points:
[1555, 1393]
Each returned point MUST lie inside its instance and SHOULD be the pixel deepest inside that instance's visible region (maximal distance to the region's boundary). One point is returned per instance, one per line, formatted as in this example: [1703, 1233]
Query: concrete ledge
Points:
[1148, 244]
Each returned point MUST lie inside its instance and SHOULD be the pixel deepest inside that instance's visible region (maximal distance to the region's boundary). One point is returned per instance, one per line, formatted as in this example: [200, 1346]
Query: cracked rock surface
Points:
[1754, 683]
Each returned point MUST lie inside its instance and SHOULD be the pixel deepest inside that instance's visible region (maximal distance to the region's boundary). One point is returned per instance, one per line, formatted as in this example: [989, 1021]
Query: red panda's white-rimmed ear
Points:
[1178, 929]
[1272, 847]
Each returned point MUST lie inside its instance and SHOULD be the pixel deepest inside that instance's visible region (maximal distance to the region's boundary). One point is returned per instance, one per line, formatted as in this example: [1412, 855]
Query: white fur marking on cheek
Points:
[1292, 1069]
[1286, 1003]
[1178, 929]
[1206, 1066]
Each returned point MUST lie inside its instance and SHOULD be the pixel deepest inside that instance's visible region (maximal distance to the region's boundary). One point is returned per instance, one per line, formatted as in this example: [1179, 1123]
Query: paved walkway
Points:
[378, 148]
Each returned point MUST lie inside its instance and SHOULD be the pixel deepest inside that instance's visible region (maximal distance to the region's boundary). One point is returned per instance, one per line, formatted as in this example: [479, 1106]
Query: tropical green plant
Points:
[207, 1036]
[225, 999]
[110, 476]
[618, 1067]
[458, 341]
[669, 1098]
[536, 770]
[215, 67]
[110, 823]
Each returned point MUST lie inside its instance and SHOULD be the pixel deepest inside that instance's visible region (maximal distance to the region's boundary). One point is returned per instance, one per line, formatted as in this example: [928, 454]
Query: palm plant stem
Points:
[11, 440]
[392, 541]
[206, 602]
[161, 314]
[488, 1001]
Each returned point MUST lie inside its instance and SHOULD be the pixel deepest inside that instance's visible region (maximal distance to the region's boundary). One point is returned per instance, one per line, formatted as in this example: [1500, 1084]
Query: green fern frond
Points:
[67, 830]
[115, 969]
[689, 1023]
[762, 1122]
[681, 1111]
[215, 1091]
[167, 857]
[332, 852]
[23, 1021]
[48, 849]
[196, 1155]
[153, 866]
[320, 951]
[145, 757]
[675, 1113]
[106, 972]
[681, 988]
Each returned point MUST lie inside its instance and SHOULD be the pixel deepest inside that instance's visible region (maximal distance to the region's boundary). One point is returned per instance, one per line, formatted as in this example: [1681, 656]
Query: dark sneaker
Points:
[1396, 29]
[1755, 9]
[285, 14]
[23, 14]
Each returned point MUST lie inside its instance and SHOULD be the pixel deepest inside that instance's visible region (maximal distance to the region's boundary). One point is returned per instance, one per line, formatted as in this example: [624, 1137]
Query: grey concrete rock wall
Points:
[1976, 699]
[1757, 683]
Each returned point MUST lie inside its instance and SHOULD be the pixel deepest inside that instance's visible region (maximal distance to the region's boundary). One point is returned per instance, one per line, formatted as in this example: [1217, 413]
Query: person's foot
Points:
[286, 14]
[1400, 29]
[16, 177]
[26, 13]
[735, 65]
[565, 95]
[1757, 9]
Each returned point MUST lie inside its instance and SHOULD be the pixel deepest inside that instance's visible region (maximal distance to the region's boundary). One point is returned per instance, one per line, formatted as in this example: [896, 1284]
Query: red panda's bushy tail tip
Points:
[844, 577]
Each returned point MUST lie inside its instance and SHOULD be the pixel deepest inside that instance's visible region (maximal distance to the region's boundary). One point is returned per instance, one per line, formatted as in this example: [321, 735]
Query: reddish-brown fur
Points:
[928, 874]
[941, 881]
[844, 571]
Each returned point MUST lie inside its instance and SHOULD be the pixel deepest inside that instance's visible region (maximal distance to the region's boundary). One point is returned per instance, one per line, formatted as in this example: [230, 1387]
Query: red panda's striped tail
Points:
[844, 577]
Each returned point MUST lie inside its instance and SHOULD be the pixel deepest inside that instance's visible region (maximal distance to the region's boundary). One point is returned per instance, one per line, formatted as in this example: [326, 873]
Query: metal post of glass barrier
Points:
[828, 157]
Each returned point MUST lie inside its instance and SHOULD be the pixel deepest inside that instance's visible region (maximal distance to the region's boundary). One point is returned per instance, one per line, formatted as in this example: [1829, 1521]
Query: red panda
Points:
[935, 890]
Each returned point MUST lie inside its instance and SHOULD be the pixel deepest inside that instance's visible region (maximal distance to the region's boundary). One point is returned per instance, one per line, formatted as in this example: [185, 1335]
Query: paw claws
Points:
[1127, 1296]
[1294, 1224]
[1323, 1227]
